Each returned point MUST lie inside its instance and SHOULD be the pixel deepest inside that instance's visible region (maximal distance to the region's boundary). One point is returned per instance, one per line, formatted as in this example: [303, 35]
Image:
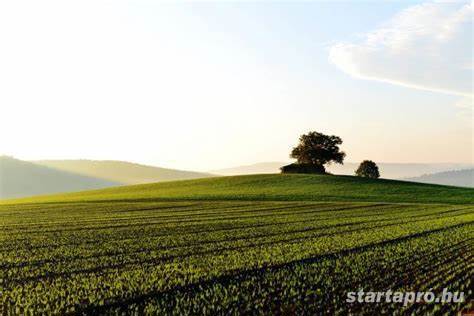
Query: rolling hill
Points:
[461, 178]
[121, 171]
[277, 187]
[388, 170]
[21, 178]
[203, 246]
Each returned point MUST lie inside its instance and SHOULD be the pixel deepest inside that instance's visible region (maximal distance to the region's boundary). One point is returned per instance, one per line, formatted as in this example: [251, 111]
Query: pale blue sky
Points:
[210, 85]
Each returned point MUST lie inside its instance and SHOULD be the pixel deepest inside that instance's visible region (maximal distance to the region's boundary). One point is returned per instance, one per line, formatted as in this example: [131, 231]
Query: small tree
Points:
[368, 169]
[316, 149]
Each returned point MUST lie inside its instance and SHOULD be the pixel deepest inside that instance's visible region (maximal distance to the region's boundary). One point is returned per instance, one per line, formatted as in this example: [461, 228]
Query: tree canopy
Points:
[317, 149]
[368, 169]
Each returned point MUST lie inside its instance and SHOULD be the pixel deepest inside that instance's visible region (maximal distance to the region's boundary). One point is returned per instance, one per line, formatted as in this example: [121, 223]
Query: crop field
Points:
[230, 257]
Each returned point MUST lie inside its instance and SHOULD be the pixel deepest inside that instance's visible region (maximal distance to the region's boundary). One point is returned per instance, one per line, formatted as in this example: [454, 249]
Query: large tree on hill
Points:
[368, 169]
[317, 149]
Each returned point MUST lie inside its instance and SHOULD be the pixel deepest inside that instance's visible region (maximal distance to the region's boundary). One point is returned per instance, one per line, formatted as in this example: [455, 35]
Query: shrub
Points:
[368, 169]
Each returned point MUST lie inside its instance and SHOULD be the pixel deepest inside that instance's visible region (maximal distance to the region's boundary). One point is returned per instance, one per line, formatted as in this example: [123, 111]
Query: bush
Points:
[368, 169]
[303, 168]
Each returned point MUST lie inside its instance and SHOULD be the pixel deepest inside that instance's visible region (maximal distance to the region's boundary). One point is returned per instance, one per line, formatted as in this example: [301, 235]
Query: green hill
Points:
[121, 171]
[21, 178]
[279, 188]
[150, 248]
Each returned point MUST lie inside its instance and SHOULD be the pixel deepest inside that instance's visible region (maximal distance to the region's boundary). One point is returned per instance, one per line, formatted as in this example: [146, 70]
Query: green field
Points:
[276, 187]
[265, 244]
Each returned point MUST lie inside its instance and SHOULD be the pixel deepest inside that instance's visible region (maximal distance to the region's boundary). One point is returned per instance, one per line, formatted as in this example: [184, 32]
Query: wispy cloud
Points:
[426, 46]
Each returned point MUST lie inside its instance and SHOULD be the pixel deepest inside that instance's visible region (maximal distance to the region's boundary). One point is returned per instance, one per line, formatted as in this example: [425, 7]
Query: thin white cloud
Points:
[426, 46]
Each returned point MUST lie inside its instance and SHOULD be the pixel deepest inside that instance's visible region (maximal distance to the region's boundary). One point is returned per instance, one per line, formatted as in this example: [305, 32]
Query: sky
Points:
[209, 85]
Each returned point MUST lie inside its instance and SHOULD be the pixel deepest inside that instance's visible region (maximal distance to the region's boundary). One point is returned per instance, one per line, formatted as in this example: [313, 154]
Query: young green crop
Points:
[232, 257]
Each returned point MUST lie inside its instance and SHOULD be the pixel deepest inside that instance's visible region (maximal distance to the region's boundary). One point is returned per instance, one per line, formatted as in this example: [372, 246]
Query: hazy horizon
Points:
[332, 166]
[206, 86]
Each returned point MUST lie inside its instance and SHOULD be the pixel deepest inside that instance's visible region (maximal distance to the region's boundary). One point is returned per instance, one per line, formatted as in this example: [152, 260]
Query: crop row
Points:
[233, 257]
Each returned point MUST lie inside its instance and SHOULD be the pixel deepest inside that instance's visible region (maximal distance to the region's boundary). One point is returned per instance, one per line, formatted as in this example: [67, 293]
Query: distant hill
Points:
[276, 187]
[21, 178]
[387, 170]
[460, 178]
[401, 170]
[121, 171]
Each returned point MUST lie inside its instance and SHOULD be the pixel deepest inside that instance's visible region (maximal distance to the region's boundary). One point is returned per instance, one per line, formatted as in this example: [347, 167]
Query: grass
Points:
[232, 257]
[276, 187]
[260, 244]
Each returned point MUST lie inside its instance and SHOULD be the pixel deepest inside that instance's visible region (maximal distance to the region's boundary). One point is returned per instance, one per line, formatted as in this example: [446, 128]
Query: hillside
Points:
[121, 171]
[21, 178]
[387, 170]
[460, 178]
[278, 187]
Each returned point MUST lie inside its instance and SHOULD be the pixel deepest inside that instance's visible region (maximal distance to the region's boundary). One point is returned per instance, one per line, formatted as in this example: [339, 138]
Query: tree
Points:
[316, 149]
[368, 169]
